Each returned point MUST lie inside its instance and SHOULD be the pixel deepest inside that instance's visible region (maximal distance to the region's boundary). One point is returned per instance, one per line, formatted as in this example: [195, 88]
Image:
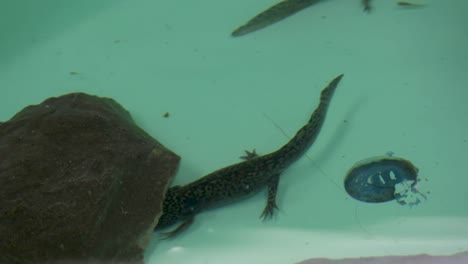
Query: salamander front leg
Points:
[182, 227]
[271, 206]
[271, 202]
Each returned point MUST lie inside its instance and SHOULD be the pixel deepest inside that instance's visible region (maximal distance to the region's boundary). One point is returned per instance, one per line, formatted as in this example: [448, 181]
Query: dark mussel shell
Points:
[373, 180]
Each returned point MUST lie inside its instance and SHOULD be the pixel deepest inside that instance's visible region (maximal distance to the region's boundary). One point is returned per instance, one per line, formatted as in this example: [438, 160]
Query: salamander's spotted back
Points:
[231, 183]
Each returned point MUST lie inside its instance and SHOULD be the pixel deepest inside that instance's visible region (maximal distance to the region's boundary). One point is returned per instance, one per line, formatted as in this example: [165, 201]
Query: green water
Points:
[404, 90]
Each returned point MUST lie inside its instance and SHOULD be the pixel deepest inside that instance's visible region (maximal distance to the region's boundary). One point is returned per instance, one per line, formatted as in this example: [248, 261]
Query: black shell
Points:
[373, 180]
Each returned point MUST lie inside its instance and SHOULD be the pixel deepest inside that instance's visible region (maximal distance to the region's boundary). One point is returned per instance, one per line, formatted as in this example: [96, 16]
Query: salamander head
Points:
[171, 209]
[175, 208]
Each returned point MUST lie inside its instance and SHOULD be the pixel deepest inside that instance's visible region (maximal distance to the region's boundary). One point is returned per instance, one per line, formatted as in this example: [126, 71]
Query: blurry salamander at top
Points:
[272, 15]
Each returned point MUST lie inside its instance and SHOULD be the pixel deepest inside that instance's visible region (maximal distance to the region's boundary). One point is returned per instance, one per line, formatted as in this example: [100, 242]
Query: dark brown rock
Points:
[79, 182]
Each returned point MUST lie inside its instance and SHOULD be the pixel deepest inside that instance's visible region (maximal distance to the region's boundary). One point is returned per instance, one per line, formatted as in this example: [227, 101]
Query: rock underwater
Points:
[80, 182]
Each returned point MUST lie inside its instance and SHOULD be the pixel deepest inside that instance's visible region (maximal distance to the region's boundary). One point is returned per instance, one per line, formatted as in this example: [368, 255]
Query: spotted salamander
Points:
[240, 180]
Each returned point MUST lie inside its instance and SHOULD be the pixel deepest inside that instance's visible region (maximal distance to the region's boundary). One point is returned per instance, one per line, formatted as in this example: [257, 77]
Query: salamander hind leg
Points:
[271, 206]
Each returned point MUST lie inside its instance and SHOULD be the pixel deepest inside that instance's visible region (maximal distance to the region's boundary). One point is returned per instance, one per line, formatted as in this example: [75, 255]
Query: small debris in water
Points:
[410, 4]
